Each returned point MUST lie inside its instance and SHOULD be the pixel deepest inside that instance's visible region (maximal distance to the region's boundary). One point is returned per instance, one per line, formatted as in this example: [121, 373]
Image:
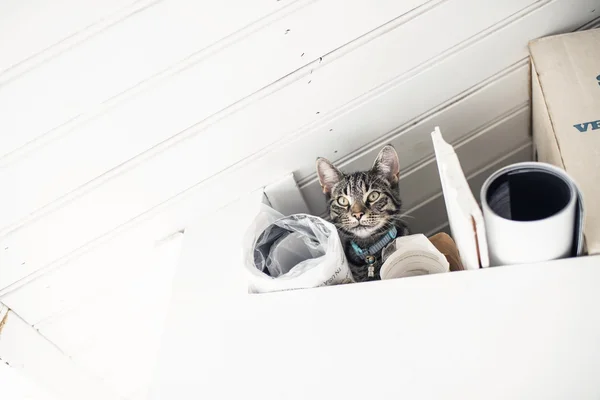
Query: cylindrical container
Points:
[530, 212]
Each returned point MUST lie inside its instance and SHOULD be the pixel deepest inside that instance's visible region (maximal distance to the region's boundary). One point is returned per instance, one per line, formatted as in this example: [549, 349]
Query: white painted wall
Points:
[16, 386]
[122, 121]
[495, 333]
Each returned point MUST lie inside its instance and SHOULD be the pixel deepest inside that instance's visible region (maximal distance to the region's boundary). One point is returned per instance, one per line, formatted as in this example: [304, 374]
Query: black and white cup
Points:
[532, 212]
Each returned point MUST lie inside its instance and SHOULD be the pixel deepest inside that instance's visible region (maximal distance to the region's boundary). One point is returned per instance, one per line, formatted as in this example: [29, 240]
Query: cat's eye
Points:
[373, 196]
[342, 201]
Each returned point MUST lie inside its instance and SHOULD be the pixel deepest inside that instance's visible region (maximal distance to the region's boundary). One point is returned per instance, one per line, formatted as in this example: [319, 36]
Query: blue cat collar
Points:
[369, 255]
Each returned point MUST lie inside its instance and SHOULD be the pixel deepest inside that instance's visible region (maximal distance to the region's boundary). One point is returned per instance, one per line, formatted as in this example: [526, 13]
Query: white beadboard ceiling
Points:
[122, 121]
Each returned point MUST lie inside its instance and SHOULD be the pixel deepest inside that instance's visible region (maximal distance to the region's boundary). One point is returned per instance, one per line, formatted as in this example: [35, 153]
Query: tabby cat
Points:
[364, 206]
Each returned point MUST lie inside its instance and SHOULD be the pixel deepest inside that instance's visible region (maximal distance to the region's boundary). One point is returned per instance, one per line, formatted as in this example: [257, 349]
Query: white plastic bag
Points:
[295, 252]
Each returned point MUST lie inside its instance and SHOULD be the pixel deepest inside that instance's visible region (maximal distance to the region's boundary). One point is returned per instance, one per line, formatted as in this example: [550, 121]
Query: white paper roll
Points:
[412, 255]
[530, 212]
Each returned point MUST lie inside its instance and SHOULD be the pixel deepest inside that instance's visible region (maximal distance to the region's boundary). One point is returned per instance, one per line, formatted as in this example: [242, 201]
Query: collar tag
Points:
[371, 272]
[370, 254]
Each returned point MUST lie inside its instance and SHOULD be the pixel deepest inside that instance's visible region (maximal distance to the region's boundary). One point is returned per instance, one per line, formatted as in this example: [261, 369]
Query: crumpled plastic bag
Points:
[294, 252]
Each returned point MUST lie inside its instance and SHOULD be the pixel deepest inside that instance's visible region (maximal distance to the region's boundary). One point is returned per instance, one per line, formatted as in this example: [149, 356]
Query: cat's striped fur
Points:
[364, 205]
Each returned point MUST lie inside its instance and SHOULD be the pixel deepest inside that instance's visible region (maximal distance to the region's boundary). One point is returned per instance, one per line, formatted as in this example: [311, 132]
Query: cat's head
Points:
[363, 203]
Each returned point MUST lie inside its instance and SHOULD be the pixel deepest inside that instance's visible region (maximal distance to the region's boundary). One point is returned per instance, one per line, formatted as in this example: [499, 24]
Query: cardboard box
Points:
[566, 115]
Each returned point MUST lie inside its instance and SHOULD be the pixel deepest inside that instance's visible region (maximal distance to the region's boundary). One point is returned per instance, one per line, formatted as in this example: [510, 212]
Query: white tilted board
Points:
[464, 214]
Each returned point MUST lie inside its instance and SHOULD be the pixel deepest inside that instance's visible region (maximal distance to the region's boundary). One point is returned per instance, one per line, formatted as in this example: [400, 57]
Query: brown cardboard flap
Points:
[566, 114]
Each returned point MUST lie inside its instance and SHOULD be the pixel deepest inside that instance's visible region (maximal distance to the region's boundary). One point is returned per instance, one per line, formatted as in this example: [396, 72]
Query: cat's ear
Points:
[387, 165]
[329, 175]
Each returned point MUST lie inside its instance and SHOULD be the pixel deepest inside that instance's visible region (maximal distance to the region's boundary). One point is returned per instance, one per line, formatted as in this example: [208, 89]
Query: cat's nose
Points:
[358, 215]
